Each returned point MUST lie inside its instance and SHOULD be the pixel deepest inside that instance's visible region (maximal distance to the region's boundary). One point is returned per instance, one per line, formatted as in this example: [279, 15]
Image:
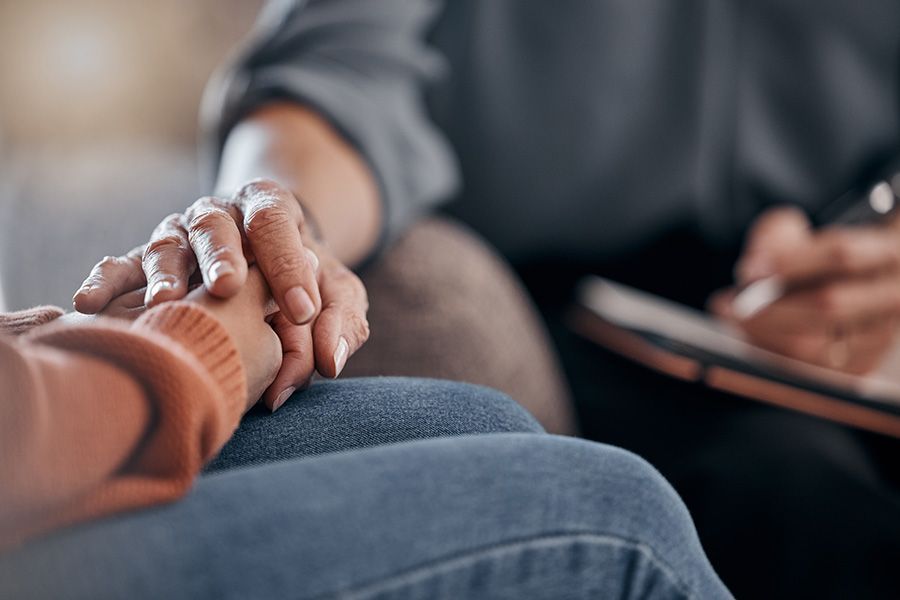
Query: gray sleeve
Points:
[363, 65]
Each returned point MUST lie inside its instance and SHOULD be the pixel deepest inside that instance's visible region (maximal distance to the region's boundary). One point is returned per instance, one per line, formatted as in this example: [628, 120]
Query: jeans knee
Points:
[431, 407]
[481, 409]
[630, 495]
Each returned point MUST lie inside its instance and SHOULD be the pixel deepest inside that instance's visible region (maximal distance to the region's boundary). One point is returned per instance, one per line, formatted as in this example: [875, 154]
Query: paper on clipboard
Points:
[689, 344]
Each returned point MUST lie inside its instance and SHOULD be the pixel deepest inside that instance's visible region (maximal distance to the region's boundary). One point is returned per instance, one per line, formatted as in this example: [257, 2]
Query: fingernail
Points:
[282, 398]
[157, 288]
[220, 269]
[299, 304]
[313, 259]
[85, 288]
[340, 356]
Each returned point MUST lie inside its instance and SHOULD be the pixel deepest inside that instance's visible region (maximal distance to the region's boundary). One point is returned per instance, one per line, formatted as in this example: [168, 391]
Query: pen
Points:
[859, 205]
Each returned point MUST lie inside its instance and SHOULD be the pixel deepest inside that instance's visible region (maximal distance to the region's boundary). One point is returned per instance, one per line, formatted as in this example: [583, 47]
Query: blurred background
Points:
[98, 118]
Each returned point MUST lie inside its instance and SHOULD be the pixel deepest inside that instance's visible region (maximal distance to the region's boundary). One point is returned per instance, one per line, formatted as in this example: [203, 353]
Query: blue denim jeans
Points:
[495, 509]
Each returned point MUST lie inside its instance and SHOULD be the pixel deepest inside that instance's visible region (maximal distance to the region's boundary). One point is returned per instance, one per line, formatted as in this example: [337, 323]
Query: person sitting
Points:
[680, 149]
[106, 421]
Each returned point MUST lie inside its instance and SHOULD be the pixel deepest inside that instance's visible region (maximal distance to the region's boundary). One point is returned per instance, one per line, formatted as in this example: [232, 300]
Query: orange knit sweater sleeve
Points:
[106, 417]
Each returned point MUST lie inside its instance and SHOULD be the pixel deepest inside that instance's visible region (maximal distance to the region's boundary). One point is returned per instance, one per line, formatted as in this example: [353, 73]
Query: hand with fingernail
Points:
[322, 304]
[829, 297]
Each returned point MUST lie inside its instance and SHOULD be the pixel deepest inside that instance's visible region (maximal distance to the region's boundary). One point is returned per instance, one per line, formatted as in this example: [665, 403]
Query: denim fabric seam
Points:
[461, 560]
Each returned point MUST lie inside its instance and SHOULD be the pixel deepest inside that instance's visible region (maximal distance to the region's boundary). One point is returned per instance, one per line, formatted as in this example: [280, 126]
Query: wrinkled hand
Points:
[841, 301]
[323, 305]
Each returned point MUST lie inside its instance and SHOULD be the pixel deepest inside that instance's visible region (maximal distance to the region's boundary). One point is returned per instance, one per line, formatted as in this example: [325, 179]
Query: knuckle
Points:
[205, 204]
[266, 192]
[94, 279]
[165, 243]
[266, 218]
[208, 219]
[107, 262]
[214, 254]
[260, 186]
[284, 265]
[358, 328]
[107, 268]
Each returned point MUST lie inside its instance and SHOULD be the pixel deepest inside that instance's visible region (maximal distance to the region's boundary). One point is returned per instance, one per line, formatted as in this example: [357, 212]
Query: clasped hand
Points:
[322, 305]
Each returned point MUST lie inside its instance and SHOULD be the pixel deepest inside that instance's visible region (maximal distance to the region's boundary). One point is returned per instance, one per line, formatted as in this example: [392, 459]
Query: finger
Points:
[129, 305]
[217, 245]
[272, 218]
[807, 346]
[297, 365]
[342, 328]
[110, 278]
[720, 303]
[776, 233]
[842, 252]
[787, 314]
[849, 303]
[255, 291]
[789, 328]
[168, 262]
[862, 348]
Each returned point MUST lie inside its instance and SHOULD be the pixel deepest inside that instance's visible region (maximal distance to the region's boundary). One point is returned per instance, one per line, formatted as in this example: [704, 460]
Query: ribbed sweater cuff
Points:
[201, 334]
[25, 320]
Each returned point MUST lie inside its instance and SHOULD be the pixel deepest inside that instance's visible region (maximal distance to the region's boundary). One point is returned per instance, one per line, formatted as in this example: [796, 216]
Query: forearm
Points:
[98, 419]
[299, 149]
[69, 423]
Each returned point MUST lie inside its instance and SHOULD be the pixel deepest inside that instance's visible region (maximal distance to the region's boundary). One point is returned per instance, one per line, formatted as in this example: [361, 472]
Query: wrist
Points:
[298, 148]
[200, 333]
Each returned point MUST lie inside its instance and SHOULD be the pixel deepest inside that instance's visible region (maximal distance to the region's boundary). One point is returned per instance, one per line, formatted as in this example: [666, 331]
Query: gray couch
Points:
[61, 212]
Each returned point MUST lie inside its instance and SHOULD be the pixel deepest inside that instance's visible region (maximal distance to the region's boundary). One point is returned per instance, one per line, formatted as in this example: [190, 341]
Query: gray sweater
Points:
[585, 128]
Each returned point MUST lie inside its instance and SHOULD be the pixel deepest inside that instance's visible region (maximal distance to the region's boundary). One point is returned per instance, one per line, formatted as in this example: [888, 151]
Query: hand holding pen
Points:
[826, 291]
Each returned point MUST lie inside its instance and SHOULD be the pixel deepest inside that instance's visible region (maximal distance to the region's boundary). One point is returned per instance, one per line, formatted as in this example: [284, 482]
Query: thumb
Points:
[773, 236]
[297, 363]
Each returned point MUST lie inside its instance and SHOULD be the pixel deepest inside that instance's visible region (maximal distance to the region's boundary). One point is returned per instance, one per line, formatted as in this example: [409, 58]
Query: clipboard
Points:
[690, 345]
